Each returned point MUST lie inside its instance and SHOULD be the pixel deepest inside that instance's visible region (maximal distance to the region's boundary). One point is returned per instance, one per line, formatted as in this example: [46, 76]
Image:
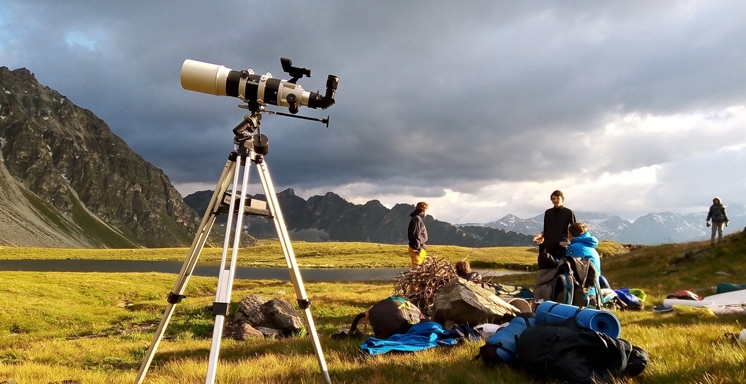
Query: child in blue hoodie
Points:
[584, 245]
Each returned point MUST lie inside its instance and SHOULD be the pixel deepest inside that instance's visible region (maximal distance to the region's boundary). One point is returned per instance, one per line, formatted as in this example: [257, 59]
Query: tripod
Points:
[249, 148]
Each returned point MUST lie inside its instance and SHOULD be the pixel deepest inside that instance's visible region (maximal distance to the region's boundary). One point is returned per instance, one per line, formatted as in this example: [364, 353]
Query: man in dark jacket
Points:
[553, 242]
[417, 234]
[555, 238]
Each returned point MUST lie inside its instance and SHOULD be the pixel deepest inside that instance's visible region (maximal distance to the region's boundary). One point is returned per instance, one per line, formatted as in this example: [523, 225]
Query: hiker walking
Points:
[417, 234]
[554, 239]
[719, 217]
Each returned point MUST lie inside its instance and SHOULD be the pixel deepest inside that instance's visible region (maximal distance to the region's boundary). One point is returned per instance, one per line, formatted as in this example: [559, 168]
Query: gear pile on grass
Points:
[420, 283]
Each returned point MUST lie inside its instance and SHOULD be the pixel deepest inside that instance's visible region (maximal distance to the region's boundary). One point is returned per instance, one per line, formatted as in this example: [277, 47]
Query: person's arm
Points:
[415, 230]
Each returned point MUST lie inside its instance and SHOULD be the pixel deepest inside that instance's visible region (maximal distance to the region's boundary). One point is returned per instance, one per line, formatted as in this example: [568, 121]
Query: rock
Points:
[250, 310]
[244, 331]
[283, 316]
[464, 302]
[270, 333]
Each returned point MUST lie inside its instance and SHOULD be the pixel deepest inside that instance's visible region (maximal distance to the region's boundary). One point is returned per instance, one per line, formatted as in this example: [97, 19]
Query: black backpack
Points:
[573, 278]
[575, 354]
[390, 316]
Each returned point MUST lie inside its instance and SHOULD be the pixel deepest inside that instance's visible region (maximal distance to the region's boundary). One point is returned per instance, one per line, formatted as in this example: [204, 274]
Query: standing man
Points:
[719, 217]
[555, 237]
[417, 234]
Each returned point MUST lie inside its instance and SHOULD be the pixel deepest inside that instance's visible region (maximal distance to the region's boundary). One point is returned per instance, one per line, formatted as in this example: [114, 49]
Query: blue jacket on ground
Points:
[584, 246]
[423, 335]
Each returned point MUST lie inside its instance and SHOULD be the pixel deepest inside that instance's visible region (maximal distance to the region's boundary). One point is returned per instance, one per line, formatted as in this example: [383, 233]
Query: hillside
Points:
[68, 181]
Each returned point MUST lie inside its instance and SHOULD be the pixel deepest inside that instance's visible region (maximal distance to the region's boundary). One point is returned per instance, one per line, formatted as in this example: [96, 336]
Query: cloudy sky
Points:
[481, 108]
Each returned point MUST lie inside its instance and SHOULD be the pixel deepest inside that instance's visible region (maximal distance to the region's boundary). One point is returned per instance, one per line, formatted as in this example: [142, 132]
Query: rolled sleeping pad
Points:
[506, 338]
[729, 287]
[688, 303]
[600, 321]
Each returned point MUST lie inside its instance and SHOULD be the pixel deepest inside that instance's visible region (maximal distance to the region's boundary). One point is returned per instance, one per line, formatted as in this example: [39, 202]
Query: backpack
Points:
[390, 316]
[571, 353]
[568, 283]
[501, 346]
[631, 302]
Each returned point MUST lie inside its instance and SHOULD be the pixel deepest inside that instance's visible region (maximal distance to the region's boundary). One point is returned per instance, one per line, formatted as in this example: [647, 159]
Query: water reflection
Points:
[251, 273]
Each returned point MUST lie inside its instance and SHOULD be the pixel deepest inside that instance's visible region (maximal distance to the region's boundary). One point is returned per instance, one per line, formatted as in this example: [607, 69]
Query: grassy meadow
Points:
[96, 327]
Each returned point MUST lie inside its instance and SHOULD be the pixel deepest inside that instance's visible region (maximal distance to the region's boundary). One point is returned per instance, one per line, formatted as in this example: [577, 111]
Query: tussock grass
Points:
[95, 327]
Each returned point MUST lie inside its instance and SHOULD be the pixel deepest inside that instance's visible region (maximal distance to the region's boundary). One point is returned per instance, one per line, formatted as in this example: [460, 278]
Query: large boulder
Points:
[464, 302]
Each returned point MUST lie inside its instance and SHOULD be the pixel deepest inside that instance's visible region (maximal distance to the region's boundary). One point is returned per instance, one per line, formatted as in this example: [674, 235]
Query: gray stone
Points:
[283, 316]
[464, 302]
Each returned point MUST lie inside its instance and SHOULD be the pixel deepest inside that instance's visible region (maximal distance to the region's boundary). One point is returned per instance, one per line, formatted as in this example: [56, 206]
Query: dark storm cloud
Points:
[432, 97]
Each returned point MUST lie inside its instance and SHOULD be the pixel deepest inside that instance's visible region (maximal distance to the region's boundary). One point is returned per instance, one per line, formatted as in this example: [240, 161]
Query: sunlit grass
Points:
[308, 255]
[95, 327]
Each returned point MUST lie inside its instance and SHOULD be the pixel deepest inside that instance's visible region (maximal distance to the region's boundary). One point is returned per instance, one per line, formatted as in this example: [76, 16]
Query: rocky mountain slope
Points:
[68, 181]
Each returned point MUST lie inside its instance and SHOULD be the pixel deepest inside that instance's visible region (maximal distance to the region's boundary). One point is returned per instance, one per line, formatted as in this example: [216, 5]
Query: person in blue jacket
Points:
[583, 244]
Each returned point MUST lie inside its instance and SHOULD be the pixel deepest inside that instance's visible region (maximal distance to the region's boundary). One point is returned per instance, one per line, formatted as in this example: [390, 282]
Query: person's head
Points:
[422, 207]
[557, 198]
[577, 229]
[716, 201]
[463, 268]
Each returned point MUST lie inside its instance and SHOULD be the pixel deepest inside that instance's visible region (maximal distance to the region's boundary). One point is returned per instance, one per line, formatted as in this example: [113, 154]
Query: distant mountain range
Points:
[332, 218]
[650, 229]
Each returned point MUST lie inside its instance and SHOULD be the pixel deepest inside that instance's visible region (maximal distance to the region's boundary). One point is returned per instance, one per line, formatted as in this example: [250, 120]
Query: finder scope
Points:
[218, 80]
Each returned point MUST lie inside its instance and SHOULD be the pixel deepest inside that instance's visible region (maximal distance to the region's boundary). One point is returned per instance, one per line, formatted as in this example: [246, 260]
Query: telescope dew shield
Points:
[205, 78]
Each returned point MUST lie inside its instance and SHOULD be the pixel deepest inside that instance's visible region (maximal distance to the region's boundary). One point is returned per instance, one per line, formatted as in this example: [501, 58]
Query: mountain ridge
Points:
[332, 218]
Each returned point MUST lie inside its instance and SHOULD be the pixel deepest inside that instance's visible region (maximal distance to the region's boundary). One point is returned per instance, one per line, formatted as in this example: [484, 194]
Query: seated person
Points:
[463, 270]
[583, 245]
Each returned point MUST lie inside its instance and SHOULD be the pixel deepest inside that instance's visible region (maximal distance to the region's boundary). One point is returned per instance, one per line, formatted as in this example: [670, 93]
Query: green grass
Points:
[308, 255]
[95, 327]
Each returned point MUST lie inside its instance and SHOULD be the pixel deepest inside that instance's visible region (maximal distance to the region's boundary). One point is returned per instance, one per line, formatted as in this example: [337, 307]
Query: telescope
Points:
[257, 90]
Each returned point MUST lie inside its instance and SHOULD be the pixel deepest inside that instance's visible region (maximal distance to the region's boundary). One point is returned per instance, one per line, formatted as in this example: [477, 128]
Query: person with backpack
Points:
[583, 245]
[719, 217]
[417, 234]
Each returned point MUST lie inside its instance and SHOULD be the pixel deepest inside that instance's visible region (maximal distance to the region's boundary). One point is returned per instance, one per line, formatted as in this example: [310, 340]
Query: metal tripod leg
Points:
[227, 268]
[191, 261]
[300, 293]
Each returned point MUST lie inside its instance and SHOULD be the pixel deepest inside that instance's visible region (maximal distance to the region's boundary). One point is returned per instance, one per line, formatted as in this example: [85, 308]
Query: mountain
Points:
[68, 181]
[332, 218]
[650, 229]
